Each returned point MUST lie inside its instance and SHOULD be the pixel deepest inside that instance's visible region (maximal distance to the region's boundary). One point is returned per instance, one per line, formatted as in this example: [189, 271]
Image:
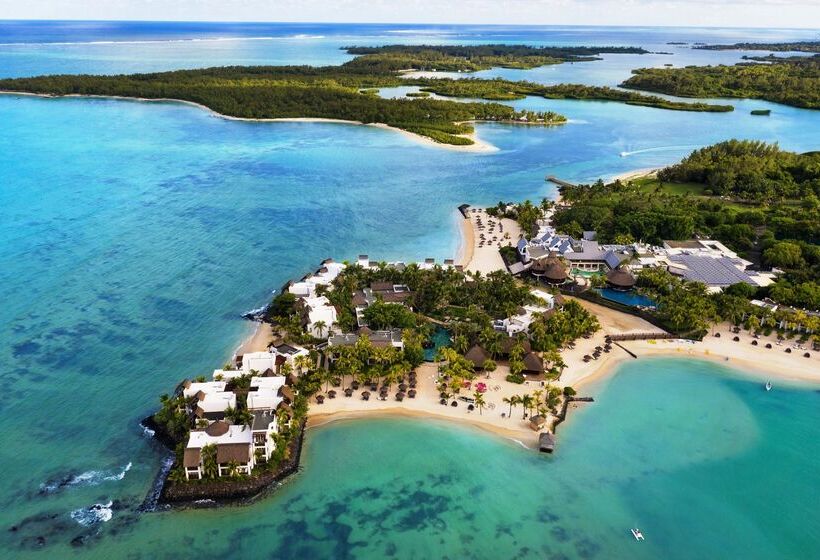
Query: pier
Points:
[559, 182]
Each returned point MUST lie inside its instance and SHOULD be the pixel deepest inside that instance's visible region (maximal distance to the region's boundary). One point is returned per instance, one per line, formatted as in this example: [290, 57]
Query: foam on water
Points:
[93, 515]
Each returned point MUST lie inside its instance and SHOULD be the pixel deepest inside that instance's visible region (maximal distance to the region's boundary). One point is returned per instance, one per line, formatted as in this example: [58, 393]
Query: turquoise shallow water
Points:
[133, 235]
[704, 461]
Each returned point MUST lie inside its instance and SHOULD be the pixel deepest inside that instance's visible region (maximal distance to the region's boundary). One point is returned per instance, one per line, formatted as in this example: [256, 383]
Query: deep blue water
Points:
[133, 235]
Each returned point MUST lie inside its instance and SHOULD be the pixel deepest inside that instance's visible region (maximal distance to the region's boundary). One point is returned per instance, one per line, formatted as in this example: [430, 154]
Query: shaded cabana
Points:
[537, 422]
[620, 279]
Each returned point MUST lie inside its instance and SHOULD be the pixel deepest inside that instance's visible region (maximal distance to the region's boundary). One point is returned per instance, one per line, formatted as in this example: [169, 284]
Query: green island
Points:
[506, 90]
[796, 46]
[471, 58]
[791, 81]
[349, 91]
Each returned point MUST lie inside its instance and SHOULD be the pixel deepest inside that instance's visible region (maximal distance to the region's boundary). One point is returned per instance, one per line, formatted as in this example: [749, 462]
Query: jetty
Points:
[559, 182]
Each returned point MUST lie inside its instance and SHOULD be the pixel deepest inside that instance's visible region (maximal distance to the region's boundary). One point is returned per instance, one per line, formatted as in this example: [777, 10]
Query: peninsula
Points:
[349, 92]
[549, 297]
[791, 81]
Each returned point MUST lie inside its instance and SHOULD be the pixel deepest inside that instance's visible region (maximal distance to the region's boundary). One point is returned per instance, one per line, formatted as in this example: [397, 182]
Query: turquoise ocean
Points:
[134, 235]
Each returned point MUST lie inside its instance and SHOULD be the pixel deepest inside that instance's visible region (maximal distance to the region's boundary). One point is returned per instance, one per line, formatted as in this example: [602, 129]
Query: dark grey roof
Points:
[261, 421]
[286, 349]
[711, 271]
[612, 259]
[536, 252]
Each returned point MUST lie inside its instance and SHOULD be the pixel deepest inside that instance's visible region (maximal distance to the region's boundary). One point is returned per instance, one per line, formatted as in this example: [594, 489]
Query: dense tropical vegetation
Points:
[470, 58]
[795, 46]
[791, 81]
[349, 92]
[504, 90]
[759, 200]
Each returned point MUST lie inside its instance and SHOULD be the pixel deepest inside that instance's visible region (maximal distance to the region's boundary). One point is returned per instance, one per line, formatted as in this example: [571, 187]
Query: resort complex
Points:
[520, 321]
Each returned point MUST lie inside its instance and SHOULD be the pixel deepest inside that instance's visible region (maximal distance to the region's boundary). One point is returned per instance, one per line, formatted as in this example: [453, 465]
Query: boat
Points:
[768, 385]
[637, 534]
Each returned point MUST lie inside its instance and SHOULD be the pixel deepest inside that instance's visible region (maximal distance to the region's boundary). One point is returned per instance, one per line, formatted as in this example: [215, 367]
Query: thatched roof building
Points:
[537, 422]
[533, 364]
[509, 342]
[478, 356]
[620, 279]
[550, 269]
[546, 442]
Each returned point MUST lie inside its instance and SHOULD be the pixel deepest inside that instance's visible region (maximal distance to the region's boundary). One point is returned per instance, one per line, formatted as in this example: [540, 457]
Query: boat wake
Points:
[88, 478]
[93, 515]
[657, 149]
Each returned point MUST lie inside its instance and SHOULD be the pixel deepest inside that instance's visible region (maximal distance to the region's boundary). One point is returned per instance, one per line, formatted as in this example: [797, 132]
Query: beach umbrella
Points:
[399, 396]
[411, 393]
[336, 381]
[413, 384]
[348, 392]
[355, 385]
[788, 350]
[807, 355]
[736, 339]
[320, 399]
[454, 403]
[331, 394]
[443, 401]
[402, 387]
[754, 343]
[366, 395]
[768, 345]
[717, 335]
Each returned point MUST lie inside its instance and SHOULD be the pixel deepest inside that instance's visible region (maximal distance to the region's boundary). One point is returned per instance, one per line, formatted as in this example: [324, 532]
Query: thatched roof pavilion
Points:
[478, 356]
[620, 279]
[546, 442]
[509, 342]
[533, 364]
[550, 269]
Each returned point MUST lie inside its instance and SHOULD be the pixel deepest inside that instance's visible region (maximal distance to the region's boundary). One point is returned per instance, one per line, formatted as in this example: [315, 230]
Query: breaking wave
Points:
[93, 515]
[88, 478]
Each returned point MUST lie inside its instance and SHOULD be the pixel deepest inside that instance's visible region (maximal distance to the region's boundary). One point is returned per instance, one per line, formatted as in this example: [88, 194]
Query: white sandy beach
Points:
[482, 236]
[634, 174]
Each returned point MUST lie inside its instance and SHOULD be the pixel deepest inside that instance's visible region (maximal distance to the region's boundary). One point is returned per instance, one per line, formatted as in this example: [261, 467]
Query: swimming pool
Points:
[441, 339]
[631, 298]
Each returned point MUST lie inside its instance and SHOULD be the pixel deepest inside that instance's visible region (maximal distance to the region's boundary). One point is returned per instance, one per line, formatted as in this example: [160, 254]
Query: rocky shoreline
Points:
[222, 492]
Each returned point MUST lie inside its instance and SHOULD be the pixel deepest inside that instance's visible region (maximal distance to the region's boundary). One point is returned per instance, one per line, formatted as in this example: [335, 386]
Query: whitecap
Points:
[93, 515]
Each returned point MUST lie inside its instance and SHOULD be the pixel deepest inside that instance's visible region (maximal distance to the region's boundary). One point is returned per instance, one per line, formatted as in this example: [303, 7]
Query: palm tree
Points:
[302, 363]
[515, 400]
[510, 401]
[460, 343]
[479, 401]
[320, 326]
[489, 367]
[526, 403]
[209, 467]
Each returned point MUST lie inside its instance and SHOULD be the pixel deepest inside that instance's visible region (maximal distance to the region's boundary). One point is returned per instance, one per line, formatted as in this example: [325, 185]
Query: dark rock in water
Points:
[79, 541]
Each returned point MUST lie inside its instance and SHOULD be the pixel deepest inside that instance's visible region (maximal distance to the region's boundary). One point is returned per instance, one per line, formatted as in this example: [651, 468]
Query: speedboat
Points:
[768, 385]
[637, 534]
